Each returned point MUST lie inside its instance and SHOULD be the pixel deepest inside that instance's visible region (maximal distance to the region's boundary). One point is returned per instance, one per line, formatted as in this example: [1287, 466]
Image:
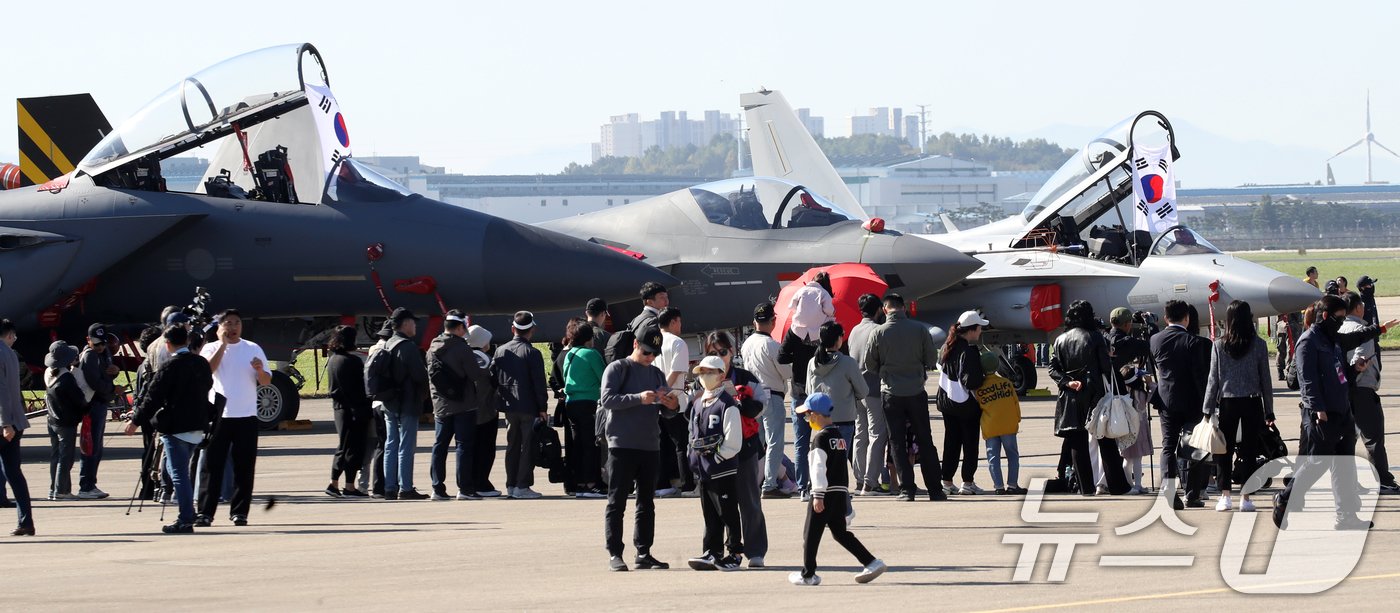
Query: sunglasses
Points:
[723, 353]
[648, 353]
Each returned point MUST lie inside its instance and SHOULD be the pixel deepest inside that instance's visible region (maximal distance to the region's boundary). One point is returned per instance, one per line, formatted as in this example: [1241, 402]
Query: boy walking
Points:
[827, 470]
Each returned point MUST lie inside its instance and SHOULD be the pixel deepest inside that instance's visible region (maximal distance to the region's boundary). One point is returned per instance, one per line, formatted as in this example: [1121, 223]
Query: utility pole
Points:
[923, 128]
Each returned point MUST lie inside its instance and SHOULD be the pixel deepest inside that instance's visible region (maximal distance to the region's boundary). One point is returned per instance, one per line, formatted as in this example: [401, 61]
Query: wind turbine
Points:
[1368, 140]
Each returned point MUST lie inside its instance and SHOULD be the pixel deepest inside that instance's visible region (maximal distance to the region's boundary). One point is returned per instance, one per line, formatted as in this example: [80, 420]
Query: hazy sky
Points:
[521, 87]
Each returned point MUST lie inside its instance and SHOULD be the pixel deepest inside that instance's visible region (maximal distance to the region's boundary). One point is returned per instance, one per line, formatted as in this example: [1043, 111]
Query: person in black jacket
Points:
[1328, 419]
[960, 374]
[454, 377]
[1181, 389]
[752, 398]
[67, 404]
[98, 371]
[176, 404]
[519, 372]
[350, 406]
[1079, 365]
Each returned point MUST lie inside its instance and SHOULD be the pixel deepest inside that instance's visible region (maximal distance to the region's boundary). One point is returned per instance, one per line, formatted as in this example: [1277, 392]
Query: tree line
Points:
[720, 157]
[1299, 217]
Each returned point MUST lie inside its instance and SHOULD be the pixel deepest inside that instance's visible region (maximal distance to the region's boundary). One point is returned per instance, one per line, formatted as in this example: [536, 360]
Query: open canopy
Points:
[232, 95]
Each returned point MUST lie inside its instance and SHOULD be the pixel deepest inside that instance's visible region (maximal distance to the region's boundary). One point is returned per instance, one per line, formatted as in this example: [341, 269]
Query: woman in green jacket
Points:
[583, 383]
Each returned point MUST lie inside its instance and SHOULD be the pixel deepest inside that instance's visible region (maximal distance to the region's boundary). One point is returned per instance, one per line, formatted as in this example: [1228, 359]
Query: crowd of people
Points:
[643, 418]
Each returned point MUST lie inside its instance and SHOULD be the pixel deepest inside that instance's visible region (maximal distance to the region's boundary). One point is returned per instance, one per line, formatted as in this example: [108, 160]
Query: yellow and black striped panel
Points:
[55, 132]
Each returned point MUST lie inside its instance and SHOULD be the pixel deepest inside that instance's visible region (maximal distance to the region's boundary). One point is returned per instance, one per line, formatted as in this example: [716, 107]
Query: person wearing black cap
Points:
[402, 409]
[177, 406]
[13, 423]
[240, 367]
[597, 313]
[66, 406]
[635, 395]
[99, 372]
[760, 356]
[519, 371]
[1366, 288]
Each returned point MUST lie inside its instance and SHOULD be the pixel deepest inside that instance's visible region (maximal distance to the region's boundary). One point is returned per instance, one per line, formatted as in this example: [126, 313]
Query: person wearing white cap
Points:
[488, 417]
[519, 369]
[959, 374]
[716, 437]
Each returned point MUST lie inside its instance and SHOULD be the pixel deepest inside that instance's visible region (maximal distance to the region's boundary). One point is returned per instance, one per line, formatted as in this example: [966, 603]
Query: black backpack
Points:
[444, 382]
[619, 345]
[380, 382]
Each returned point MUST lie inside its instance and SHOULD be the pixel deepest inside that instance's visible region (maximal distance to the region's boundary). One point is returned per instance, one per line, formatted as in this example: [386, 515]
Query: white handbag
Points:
[1122, 418]
[1207, 435]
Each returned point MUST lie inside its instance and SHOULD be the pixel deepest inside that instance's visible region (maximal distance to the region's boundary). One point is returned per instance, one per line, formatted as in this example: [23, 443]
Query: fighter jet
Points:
[1073, 242]
[295, 233]
[735, 243]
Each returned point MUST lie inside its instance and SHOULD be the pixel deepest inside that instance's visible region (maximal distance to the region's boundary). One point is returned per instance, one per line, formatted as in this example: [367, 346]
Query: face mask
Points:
[711, 381]
[1332, 324]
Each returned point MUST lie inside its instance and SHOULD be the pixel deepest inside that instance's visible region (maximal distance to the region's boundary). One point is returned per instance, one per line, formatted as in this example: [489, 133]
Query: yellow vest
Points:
[1001, 409]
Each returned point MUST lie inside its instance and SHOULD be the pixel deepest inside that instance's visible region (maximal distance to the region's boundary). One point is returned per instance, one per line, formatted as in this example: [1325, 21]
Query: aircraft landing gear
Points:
[1018, 368]
[279, 401]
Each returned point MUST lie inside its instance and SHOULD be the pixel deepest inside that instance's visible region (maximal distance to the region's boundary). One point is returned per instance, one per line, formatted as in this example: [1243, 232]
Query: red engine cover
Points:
[1046, 314]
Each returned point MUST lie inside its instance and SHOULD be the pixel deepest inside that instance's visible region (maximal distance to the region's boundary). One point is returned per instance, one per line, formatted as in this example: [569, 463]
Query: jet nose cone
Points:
[1287, 294]
[926, 267]
[550, 271]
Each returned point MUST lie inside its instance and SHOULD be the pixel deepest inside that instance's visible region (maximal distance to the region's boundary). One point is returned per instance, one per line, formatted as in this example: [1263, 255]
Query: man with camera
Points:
[239, 367]
[176, 404]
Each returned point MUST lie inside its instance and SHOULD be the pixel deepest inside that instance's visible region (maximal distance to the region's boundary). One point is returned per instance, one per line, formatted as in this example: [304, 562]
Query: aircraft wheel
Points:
[278, 401]
[1021, 373]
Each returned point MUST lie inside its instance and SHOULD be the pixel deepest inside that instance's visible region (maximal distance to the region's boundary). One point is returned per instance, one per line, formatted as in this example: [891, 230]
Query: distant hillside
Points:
[718, 159]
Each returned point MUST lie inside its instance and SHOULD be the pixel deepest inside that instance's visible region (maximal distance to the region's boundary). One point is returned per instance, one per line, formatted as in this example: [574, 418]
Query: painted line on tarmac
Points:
[1163, 596]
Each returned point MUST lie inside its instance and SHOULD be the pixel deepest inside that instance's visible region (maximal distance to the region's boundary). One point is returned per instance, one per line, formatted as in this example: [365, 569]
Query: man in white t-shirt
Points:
[239, 367]
[674, 362]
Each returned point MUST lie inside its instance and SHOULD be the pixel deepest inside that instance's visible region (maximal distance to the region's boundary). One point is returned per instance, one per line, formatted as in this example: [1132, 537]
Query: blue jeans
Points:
[801, 441]
[995, 446]
[177, 464]
[772, 426]
[462, 427]
[400, 442]
[87, 464]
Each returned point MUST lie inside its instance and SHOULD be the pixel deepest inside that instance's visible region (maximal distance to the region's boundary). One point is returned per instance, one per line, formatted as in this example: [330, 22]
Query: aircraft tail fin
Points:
[55, 132]
[782, 147]
[948, 225]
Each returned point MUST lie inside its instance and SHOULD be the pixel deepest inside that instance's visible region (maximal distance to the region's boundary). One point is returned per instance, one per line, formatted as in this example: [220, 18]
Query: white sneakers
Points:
[1224, 503]
[871, 571]
[92, 494]
[796, 578]
[970, 489]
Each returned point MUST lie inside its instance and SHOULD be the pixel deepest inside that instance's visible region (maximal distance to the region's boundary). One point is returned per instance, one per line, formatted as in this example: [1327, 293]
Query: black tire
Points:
[1021, 372]
[278, 402]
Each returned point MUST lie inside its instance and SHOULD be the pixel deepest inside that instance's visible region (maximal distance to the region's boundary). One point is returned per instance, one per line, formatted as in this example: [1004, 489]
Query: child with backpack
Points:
[830, 487]
[716, 438]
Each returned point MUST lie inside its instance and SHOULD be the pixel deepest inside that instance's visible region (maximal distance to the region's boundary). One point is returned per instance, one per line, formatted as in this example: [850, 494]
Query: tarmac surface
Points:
[310, 550]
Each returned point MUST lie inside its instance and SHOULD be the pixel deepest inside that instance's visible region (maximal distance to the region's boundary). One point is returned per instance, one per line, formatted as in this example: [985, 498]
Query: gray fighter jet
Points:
[735, 243]
[1074, 241]
[298, 239]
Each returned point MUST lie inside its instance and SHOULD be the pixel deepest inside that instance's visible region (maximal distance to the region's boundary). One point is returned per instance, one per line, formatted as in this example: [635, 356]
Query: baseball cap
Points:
[818, 403]
[650, 339]
[712, 362]
[177, 318]
[401, 315]
[1120, 315]
[523, 320]
[1366, 280]
[763, 312]
[971, 318]
[387, 330]
[97, 332]
[595, 306]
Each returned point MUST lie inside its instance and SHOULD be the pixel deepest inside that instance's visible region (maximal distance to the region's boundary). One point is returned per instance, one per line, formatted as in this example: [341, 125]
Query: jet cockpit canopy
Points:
[765, 203]
[222, 99]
